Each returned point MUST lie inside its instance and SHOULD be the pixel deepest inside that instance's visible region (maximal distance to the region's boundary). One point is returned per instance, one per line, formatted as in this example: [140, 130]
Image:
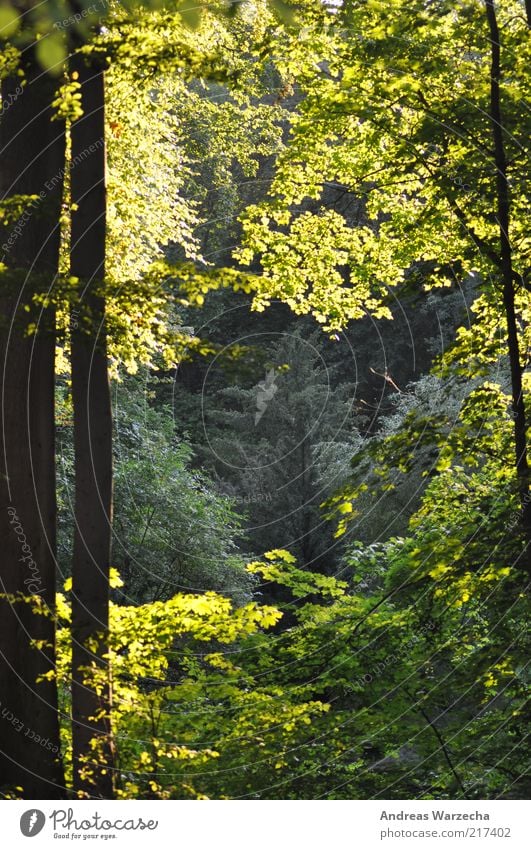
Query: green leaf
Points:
[190, 12]
[286, 12]
[9, 21]
[51, 53]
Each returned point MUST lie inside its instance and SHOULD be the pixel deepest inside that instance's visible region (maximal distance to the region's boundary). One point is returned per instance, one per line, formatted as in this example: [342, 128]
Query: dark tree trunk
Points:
[31, 163]
[91, 700]
[508, 274]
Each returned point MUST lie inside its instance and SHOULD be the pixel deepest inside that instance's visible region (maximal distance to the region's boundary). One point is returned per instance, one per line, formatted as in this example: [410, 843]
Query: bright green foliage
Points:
[397, 117]
[280, 569]
[404, 675]
[167, 658]
[484, 341]
[405, 680]
[172, 531]
[472, 442]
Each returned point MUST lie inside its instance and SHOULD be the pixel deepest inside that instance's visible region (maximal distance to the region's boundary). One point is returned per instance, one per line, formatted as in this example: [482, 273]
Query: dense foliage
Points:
[317, 310]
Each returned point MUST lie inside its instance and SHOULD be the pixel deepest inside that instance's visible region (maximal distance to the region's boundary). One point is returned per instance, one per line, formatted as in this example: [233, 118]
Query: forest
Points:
[265, 478]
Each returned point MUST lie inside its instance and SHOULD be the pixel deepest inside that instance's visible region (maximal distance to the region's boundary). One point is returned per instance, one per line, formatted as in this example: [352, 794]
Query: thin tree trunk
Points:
[31, 163]
[91, 691]
[508, 274]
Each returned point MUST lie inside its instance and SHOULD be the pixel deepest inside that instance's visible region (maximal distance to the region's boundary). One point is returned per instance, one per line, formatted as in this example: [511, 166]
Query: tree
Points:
[295, 435]
[173, 532]
[93, 442]
[512, 279]
[32, 165]
[400, 169]
[92, 736]
[438, 182]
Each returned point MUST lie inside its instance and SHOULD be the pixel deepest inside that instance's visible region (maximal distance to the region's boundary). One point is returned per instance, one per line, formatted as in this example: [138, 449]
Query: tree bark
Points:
[509, 276]
[31, 163]
[91, 691]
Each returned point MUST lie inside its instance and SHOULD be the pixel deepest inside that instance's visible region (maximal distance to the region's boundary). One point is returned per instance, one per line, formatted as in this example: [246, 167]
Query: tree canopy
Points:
[265, 287]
